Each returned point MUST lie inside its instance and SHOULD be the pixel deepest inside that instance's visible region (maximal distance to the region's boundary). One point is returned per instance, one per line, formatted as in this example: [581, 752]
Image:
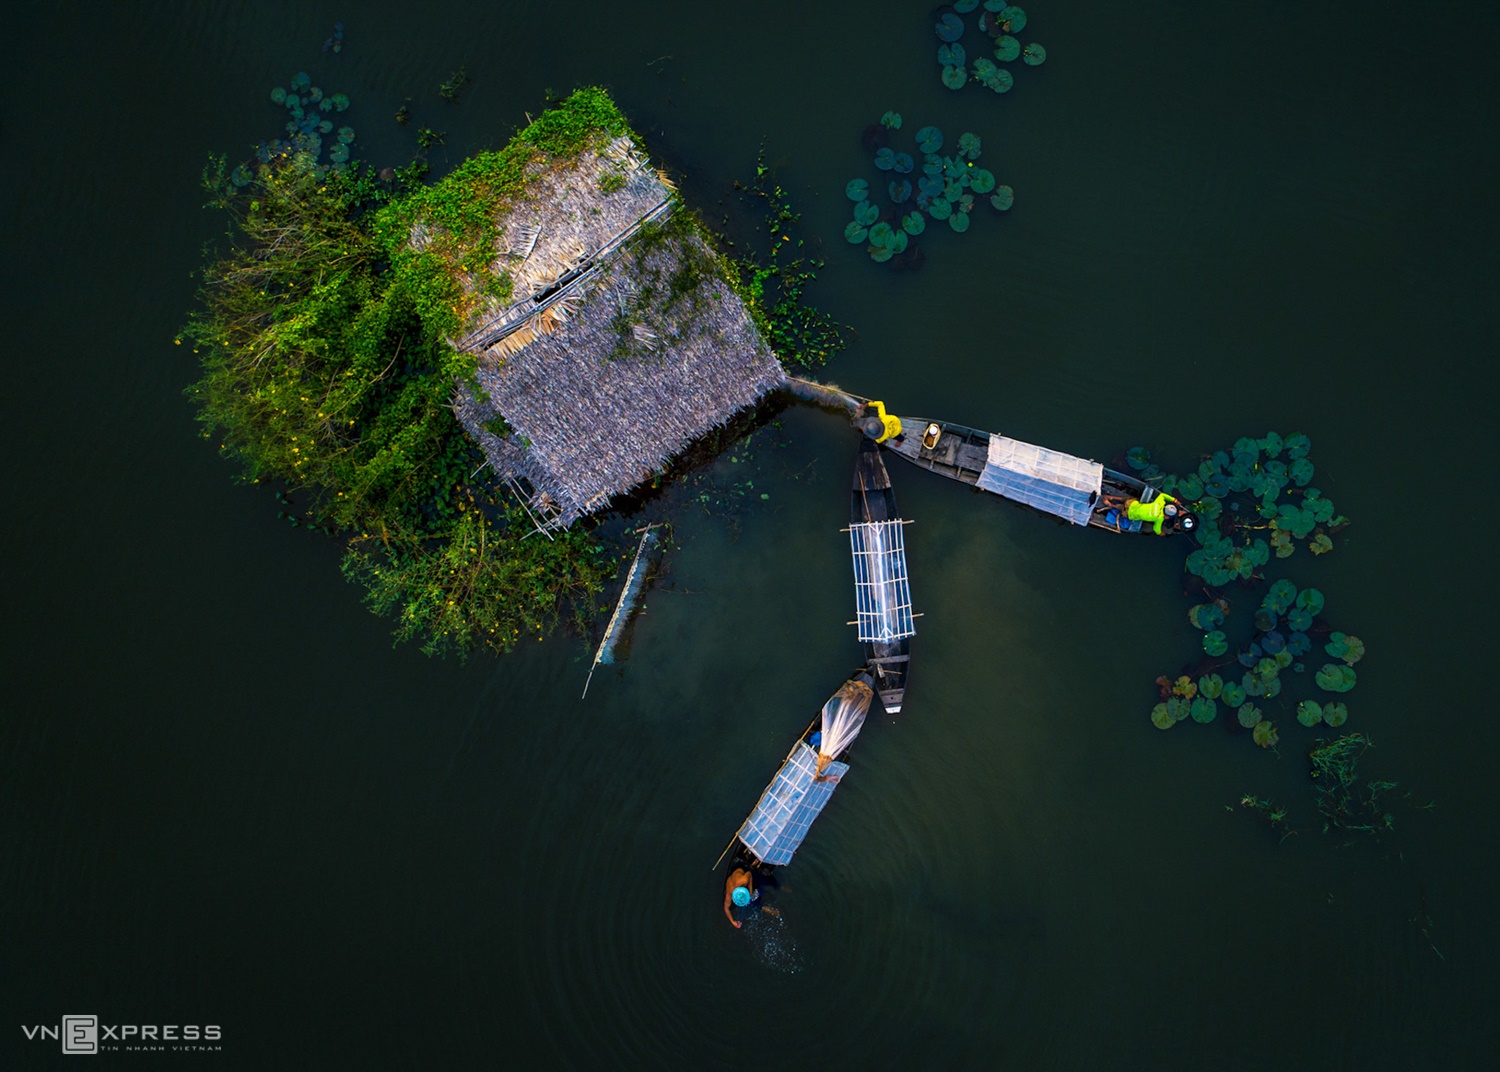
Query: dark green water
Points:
[227, 800]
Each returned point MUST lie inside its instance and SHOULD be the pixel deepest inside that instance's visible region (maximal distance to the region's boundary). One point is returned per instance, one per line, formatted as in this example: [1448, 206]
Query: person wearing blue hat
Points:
[739, 892]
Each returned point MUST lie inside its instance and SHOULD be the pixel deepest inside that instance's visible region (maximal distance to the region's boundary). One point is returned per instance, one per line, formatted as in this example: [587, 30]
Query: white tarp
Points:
[1049, 480]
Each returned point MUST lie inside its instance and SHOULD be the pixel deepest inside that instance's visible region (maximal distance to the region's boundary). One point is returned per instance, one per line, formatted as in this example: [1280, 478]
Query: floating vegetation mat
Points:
[997, 24]
[1255, 504]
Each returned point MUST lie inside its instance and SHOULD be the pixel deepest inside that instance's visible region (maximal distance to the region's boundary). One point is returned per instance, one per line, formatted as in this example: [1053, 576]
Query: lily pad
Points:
[1351, 649]
[999, 80]
[955, 77]
[940, 209]
[1214, 643]
[1311, 599]
[1272, 444]
[1299, 620]
[1205, 615]
[1249, 715]
[880, 234]
[1007, 48]
[969, 146]
[340, 102]
[1035, 55]
[880, 254]
[931, 186]
[1233, 694]
[1300, 472]
[891, 120]
[900, 191]
[1298, 644]
[866, 213]
[1298, 446]
[949, 27]
[1335, 714]
[904, 164]
[1203, 709]
[885, 158]
[278, 95]
[1002, 198]
[1309, 713]
[929, 140]
[1265, 734]
[959, 221]
[855, 232]
[963, 7]
[1335, 677]
[1320, 544]
[981, 180]
[1211, 686]
[914, 223]
[951, 56]
[857, 189]
[1161, 718]
[1012, 18]
[1280, 597]
[898, 241]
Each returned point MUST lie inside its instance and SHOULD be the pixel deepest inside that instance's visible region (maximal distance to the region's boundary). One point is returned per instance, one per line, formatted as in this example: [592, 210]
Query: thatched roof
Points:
[621, 344]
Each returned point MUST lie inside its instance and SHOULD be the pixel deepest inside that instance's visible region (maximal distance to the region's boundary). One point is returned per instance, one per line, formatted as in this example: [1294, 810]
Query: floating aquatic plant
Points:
[1012, 19]
[1265, 734]
[885, 158]
[900, 191]
[855, 232]
[952, 55]
[857, 189]
[959, 221]
[1215, 643]
[955, 77]
[949, 27]
[891, 120]
[1007, 48]
[929, 140]
[1335, 677]
[866, 213]
[1034, 55]
[1002, 198]
[914, 223]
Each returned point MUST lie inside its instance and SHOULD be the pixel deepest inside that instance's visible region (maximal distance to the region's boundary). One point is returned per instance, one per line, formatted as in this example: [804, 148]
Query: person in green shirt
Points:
[1162, 510]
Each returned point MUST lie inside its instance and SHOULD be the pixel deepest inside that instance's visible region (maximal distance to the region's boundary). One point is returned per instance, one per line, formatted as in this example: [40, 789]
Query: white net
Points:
[843, 717]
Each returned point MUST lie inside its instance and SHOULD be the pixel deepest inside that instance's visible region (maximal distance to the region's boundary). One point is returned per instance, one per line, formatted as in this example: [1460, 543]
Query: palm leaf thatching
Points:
[621, 342]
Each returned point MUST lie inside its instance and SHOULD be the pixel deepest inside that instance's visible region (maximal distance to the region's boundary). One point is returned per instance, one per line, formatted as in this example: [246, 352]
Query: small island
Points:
[437, 372]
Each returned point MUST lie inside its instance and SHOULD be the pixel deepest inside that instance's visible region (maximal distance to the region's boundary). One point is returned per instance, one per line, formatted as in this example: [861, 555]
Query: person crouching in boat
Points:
[739, 892]
[1162, 510]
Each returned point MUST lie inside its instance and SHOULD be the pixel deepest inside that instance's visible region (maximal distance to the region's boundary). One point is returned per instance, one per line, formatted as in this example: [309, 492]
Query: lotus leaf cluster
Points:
[1351, 649]
[945, 189]
[1254, 502]
[997, 21]
[305, 104]
[1335, 677]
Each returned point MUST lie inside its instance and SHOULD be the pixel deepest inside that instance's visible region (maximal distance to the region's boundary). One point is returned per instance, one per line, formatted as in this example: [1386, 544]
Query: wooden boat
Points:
[1077, 490]
[882, 592]
[797, 794]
